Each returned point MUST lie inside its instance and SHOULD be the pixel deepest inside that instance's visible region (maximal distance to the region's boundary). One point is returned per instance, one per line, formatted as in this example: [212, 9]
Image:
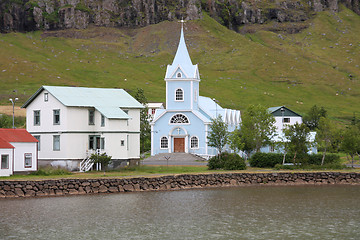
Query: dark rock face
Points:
[29, 15]
[10, 189]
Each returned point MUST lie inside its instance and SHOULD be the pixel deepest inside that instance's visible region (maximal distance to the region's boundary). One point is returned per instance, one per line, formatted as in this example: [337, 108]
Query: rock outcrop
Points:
[29, 15]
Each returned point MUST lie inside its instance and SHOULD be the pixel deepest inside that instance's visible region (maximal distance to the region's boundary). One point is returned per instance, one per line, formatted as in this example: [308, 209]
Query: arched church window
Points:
[179, 118]
[164, 143]
[179, 95]
[178, 75]
[194, 142]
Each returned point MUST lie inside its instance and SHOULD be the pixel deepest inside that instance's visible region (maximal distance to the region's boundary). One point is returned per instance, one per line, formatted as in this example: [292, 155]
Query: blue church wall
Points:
[186, 87]
[269, 149]
[194, 128]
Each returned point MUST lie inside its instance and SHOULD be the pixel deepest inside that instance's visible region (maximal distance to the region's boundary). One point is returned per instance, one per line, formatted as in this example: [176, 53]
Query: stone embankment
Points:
[9, 189]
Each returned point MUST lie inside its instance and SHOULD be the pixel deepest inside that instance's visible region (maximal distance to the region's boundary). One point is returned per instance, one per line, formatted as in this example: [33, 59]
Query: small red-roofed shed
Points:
[18, 150]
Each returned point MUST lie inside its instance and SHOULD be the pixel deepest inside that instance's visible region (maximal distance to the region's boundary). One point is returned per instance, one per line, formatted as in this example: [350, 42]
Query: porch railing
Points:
[86, 164]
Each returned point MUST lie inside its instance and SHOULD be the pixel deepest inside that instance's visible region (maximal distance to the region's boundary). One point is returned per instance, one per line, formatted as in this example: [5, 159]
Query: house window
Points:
[38, 144]
[102, 120]
[179, 95]
[127, 121]
[46, 97]
[28, 160]
[37, 118]
[194, 142]
[122, 143]
[56, 116]
[102, 143]
[179, 118]
[153, 111]
[179, 75]
[4, 161]
[164, 143]
[127, 142]
[286, 120]
[56, 143]
[91, 117]
[272, 149]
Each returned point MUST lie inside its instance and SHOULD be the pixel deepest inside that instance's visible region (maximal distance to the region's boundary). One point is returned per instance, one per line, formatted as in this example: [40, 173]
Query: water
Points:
[318, 212]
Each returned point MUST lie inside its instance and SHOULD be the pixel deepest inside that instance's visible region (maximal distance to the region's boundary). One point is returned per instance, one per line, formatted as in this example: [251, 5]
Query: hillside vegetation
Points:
[319, 65]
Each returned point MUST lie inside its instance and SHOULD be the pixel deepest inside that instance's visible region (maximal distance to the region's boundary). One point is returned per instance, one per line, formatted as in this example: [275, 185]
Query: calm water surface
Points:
[318, 212]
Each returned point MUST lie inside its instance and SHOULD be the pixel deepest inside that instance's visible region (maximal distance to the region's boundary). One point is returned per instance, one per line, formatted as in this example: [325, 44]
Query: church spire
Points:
[182, 55]
[182, 61]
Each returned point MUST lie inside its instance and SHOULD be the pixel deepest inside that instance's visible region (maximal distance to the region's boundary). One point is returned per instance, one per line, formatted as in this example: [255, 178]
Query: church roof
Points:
[182, 62]
[212, 110]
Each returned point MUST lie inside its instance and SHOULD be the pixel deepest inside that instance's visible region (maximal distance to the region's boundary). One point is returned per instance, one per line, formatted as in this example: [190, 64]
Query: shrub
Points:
[329, 166]
[269, 160]
[265, 160]
[329, 158]
[49, 171]
[227, 161]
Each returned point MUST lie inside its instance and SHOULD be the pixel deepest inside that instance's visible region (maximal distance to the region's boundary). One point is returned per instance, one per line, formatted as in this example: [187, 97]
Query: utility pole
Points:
[13, 105]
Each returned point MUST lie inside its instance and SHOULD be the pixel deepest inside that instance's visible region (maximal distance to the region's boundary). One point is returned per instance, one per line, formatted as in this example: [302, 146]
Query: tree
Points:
[145, 129]
[218, 136]
[326, 134]
[257, 128]
[5, 121]
[312, 118]
[103, 159]
[351, 142]
[297, 136]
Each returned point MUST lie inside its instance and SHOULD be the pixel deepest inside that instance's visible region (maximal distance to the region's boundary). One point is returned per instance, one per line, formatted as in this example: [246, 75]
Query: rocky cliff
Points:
[29, 15]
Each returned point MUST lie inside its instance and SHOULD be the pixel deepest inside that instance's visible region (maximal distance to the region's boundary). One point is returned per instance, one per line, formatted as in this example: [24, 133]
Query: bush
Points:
[329, 158]
[49, 171]
[227, 161]
[269, 160]
[266, 160]
[329, 166]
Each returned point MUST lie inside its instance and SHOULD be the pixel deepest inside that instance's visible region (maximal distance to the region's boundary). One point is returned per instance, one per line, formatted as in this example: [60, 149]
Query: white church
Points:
[183, 126]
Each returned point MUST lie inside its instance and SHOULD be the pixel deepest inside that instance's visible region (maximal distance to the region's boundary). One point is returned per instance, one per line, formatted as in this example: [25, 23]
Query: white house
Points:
[18, 150]
[152, 108]
[185, 123]
[285, 117]
[70, 122]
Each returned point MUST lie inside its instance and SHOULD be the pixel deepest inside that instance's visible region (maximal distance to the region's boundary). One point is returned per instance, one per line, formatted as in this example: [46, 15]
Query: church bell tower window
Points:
[179, 95]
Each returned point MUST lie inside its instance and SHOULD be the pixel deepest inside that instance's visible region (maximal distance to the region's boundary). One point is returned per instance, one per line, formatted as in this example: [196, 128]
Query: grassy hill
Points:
[319, 65]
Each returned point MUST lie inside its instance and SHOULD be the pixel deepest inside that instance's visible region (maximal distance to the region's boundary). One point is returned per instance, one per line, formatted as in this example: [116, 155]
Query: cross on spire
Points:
[182, 21]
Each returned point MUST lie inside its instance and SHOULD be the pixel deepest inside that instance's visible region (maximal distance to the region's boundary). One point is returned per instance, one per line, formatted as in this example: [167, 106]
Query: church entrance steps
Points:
[175, 159]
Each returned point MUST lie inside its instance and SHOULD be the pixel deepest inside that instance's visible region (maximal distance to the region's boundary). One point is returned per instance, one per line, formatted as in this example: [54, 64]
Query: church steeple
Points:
[182, 66]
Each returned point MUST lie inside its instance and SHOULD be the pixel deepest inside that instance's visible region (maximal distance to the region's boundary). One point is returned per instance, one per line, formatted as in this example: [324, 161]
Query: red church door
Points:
[179, 145]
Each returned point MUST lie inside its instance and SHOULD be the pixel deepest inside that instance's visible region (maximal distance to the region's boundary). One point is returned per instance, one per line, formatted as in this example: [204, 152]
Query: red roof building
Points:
[16, 135]
[18, 151]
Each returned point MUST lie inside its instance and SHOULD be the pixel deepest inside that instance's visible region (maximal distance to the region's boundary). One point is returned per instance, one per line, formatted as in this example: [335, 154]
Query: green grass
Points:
[148, 171]
[296, 70]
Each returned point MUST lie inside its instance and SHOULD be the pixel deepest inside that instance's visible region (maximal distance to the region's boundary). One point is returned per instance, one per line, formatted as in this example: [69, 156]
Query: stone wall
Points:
[60, 187]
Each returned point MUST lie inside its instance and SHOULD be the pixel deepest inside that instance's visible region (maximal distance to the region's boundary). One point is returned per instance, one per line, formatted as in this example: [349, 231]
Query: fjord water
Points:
[281, 212]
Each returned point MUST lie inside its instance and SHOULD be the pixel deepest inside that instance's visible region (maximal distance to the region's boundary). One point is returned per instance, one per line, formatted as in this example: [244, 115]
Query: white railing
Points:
[211, 152]
[87, 163]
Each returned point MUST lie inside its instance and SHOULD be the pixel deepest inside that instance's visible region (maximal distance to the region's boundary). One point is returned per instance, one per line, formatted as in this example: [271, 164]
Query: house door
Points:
[96, 142]
[179, 144]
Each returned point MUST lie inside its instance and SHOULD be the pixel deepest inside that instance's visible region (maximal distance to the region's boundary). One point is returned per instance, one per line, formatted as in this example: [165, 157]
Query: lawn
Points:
[151, 171]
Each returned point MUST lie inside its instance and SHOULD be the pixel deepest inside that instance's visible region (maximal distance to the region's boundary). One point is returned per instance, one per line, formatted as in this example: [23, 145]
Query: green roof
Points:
[276, 112]
[108, 101]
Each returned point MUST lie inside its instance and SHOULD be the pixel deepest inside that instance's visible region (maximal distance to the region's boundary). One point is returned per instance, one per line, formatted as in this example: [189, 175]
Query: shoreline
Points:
[63, 187]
